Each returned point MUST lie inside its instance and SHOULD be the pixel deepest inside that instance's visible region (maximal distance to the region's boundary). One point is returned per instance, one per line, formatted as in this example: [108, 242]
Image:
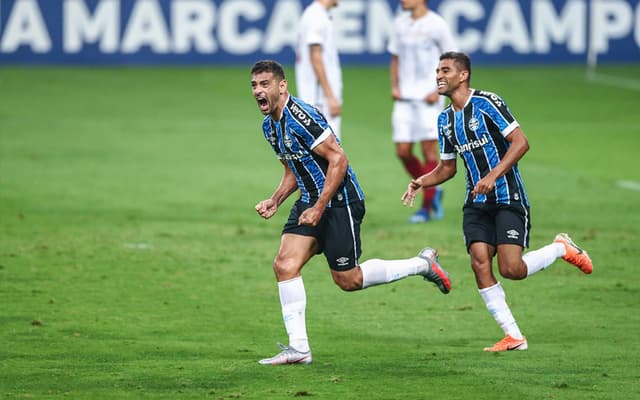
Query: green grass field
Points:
[133, 266]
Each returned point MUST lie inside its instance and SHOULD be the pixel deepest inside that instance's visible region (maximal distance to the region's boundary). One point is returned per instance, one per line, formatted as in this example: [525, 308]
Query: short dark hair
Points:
[462, 60]
[268, 66]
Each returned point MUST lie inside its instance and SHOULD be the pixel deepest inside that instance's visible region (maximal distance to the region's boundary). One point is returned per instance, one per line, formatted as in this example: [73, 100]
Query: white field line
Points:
[612, 80]
[631, 185]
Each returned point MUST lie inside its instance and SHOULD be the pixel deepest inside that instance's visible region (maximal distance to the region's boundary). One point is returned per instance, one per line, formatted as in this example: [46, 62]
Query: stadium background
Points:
[240, 31]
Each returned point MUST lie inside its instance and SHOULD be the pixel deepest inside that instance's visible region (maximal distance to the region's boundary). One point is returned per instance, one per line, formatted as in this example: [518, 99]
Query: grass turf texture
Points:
[132, 263]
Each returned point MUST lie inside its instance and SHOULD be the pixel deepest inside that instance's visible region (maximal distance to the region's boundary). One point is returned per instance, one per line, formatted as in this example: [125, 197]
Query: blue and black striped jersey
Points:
[478, 133]
[301, 128]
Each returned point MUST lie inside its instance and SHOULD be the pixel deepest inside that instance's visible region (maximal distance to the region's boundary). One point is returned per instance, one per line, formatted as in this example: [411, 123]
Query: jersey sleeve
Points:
[308, 123]
[315, 31]
[498, 111]
[447, 151]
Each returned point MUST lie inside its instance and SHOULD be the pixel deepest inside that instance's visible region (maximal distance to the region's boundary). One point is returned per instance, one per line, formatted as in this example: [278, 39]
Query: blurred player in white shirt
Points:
[418, 38]
[318, 72]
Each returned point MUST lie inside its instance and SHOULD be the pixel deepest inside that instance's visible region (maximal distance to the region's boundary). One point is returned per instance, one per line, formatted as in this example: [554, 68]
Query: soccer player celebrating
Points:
[479, 126]
[326, 217]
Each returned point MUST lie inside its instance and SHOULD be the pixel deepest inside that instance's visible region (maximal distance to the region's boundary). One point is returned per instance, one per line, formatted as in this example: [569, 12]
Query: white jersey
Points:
[316, 28]
[418, 45]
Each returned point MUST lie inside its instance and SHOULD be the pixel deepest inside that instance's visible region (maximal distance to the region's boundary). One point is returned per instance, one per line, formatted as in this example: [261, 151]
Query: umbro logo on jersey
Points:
[513, 234]
[342, 261]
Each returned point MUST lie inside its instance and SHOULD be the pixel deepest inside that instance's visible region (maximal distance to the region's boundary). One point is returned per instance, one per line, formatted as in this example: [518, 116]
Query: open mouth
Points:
[263, 104]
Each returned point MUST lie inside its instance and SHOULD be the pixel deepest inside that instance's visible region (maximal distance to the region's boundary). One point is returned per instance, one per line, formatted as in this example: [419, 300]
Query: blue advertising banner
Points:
[241, 31]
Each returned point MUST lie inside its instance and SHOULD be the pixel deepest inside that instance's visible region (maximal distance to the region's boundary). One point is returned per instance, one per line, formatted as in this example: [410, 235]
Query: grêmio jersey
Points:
[300, 129]
[478, 134]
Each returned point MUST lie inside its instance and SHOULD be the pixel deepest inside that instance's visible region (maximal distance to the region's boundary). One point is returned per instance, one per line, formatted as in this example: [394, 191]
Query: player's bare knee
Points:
[480, 266]
[284, 268]
[512, 271]
[404, 156]
[348, 284]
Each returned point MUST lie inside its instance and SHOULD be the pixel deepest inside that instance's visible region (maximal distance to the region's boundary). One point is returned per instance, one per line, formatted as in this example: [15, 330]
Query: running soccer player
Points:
[418, 38]
[479, 126]
[326, 217]
[317, 67]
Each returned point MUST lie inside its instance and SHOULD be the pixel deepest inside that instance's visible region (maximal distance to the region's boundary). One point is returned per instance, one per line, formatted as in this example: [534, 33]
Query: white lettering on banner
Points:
[471, 39]
[25, 27]
[282, 26]
[192, 21]
[379, 25]
[610, 19]
[146, 27]
[548, 27]
[348, 27]
[228, 31]
[506, 28]
[241, 27]
[81, 28]
[637, 28]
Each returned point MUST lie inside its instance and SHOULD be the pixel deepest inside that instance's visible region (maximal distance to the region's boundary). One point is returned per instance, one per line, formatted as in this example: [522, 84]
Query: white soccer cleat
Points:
[288, 355]
[435, 273]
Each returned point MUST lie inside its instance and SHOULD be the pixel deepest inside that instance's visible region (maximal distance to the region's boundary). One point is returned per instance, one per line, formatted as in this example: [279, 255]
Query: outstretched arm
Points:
[267, 208]
[445, 170]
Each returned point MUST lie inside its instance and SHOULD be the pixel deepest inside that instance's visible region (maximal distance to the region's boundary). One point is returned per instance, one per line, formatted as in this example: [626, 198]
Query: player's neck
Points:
[276, 115]
[419, 12]
[327, 4]
[460, 98]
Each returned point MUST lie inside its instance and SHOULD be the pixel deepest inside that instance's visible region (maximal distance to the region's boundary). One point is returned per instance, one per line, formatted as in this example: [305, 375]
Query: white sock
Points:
[494, 298]
[540, 259]
[378, 272]
[293, 299]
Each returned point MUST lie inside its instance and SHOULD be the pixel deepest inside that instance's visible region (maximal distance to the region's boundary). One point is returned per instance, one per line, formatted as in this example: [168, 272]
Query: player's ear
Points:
[283, 86]
[464, 76]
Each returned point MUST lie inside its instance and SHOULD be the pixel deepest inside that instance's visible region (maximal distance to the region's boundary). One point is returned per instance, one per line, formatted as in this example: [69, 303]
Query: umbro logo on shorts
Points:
[513, 234]
[342, 261]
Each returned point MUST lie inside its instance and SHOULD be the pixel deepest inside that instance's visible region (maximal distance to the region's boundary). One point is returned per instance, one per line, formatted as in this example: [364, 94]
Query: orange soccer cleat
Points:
[508, 343]
[574, 254]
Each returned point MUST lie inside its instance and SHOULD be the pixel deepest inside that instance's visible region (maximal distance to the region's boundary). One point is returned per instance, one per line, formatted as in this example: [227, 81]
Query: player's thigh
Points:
[294, 252]
[510, 259]
[341, 235]
[478, 225]
[298, 244]
[430, 149]
[481, 254]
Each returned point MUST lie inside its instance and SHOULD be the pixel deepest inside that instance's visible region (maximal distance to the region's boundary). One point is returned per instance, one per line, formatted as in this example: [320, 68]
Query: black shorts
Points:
[338, 232]
[496, 224]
